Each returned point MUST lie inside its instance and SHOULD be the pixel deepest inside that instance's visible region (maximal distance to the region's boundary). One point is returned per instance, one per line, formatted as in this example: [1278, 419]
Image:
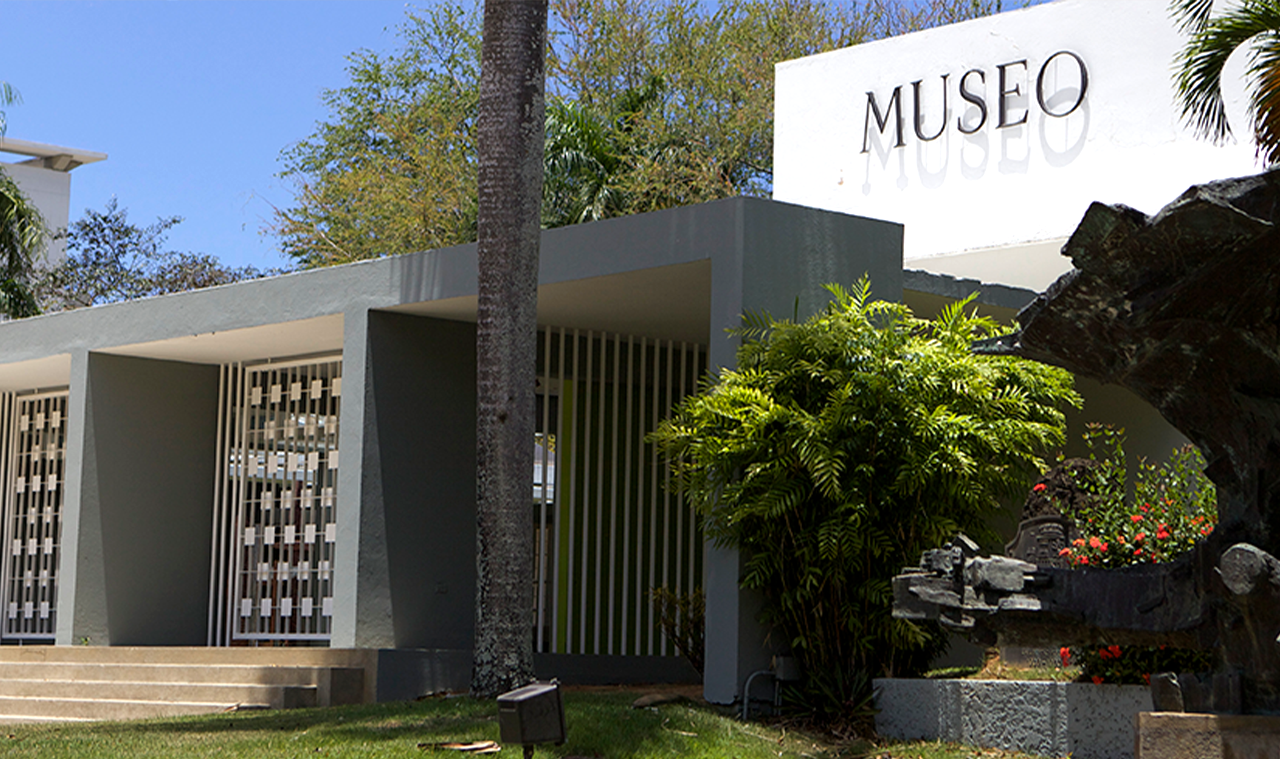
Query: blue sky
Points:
[192, 102]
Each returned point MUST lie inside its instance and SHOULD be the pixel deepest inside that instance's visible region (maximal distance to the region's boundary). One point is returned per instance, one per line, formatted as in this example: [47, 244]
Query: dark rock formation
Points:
[1182, 308]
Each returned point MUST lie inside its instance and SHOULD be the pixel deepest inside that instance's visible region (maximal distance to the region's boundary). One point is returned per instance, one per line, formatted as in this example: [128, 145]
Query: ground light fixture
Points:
[531, 715]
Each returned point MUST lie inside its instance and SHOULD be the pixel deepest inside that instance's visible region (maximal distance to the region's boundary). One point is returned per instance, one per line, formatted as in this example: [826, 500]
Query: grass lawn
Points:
[601, 724]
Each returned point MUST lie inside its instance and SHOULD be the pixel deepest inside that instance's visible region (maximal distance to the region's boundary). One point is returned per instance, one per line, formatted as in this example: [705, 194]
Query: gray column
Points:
[412, 523]
[82, 596]
[137, 522]
[361, 588]
[778, 264]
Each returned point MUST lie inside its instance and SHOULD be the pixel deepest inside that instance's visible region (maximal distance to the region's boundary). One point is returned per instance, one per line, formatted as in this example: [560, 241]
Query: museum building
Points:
[290, 462]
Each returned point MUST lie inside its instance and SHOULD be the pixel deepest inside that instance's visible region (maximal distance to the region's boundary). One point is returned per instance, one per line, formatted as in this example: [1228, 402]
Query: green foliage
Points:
[1251, 23]
[8, 96]
[23, 236]
[840, 449]
[651, 105]
[111, 260]
[1173, 505]
[1134, 665]
[682, 618]
[393, 170]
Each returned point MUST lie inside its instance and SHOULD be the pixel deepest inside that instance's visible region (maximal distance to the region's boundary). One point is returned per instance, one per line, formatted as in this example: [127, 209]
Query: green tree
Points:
[8, 96]
[510, 132]
[1251, 23]
[23, 233]
[839, 450]
[586, 155]
[23, 236]
[110, 259]
[393, 170]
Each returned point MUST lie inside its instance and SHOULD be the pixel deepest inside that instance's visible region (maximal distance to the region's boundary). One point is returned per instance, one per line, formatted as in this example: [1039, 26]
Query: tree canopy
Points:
[110, 259]
[651, 105]
[839, 450]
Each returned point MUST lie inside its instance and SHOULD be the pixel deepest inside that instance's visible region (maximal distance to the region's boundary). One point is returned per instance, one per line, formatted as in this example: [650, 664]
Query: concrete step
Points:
[12, 719]
[268, 696]
[50, 683]
[264, 655]
[64, 709]
[163, 673]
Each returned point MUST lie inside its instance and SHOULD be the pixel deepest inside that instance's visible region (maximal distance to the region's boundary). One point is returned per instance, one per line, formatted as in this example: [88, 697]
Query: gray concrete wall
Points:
[137, 523]
[1082, 720]
[415, 570]
[778, 264]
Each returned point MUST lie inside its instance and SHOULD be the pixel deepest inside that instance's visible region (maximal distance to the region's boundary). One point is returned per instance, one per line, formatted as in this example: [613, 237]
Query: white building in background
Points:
[45, 176]
[988, 139]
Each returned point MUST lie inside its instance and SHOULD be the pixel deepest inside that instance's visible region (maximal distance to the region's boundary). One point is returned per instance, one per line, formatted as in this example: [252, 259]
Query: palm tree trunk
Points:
[509, 142]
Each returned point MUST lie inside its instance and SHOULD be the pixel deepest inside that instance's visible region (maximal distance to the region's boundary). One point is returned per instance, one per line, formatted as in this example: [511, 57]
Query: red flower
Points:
[1137, 552]
[1078, 542]
[1065, 653]
[1104, 547]
[1097, 680]
[1140, 536]
[1115, 651]
[1145, 507]
[1146, 678]
[1206, 530]
[1039, 488]
[1095, 543]
[1136, 518]
[1163, 532]
[1082, 559]
[1104, 653]
[1065, 552]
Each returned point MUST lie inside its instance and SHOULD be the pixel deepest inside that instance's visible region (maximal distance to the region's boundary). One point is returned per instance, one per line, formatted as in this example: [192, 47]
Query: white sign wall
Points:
[996, 132]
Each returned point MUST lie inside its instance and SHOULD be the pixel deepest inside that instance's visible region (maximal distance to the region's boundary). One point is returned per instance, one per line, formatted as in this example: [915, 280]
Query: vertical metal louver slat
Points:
[585, 512]
[634, 458]
[613, 494]
[598, 512]
[627, 467]
[654, 472]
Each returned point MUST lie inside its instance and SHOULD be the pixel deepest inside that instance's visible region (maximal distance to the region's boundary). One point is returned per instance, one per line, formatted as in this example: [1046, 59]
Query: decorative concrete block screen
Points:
[274, 513]
[34, 433]
[607, 528]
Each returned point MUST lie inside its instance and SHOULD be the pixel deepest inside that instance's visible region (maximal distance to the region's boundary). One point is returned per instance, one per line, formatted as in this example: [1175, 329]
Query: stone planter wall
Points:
[1051, 719]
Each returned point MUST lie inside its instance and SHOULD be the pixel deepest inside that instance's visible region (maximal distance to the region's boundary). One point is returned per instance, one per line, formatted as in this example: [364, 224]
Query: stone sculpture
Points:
[1182, 308]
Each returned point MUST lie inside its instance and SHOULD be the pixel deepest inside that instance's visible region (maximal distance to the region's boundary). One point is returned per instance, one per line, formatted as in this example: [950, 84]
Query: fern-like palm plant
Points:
[23, 235]
[1252, 23]
[843, 446]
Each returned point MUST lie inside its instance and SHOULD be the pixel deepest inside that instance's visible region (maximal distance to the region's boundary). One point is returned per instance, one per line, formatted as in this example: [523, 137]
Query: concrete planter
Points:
[1051, 719]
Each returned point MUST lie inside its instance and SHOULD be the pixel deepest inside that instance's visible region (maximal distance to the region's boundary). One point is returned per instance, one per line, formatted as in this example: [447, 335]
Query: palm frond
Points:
[1200, 65]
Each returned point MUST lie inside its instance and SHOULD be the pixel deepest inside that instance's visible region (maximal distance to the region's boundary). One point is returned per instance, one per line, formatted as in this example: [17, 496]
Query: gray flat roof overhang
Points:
[649, 274]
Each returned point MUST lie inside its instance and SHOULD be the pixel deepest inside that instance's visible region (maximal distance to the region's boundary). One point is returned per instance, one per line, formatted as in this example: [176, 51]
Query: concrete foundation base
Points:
[1054, 719]
[1170, 735]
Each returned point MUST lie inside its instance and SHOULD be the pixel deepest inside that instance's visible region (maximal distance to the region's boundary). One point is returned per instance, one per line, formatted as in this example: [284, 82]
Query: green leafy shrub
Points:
[683, 617]
[1173, 505]
[1134, 665]
[840, 449]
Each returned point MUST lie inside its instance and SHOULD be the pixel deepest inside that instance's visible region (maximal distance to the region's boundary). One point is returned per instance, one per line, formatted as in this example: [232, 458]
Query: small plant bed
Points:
[997, 669]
